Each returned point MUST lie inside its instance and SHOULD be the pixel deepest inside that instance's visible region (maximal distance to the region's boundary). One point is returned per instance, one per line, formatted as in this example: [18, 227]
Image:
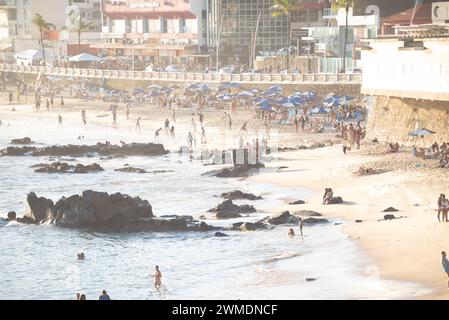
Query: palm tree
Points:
[43, 26]
[287, 7]
[346, 4]
[79, 27]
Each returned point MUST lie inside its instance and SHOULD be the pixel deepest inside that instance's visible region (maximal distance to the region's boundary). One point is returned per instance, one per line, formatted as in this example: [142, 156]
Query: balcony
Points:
[330, 13]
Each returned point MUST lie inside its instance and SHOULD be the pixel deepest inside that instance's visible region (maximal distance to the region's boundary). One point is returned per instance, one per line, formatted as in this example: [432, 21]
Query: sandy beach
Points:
[405, 249]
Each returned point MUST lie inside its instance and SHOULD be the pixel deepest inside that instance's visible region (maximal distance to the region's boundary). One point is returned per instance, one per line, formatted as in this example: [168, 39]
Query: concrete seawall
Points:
[391, 119]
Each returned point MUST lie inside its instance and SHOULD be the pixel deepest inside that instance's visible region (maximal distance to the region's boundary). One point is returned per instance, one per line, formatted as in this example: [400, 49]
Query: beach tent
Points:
[84, 57]
[28, 57]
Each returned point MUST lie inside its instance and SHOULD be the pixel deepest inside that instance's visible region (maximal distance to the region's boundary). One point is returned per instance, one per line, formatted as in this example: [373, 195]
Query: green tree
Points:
[287, 7]
[345, 4]
[43, 26]
[79, 27]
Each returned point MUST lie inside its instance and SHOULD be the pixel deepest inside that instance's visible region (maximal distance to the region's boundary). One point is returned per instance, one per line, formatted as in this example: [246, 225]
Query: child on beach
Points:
[445, 264]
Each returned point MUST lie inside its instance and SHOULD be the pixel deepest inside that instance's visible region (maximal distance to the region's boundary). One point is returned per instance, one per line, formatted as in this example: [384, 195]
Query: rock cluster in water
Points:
[240, 195]
[62, 167]
[239, 171]
[228, 210]
[102, 149]
[26, 140]
[99, 211]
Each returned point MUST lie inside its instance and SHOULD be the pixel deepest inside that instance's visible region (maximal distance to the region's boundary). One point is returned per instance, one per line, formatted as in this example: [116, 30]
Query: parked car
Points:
[174, 69]
[354, 70]
[252, 71]
[213, 70]
[228, 69]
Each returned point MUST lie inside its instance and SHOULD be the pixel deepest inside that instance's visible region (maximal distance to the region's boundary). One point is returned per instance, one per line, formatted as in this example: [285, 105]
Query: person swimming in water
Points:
[291, 233]
[81, 256]
[157, 278]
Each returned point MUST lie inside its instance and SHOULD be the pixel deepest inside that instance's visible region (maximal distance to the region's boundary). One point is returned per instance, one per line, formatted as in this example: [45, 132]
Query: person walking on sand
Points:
[156, 134]
[62, 101]
[445, 264]
[173, 115]
[83, 116]
[157, 278]
[444, 207]
[203, 136]
[48, 105]
[138, 124]
[440, 206]
[59, 120]
[190, 140]
[172, 133]
[230, 122]
[127, 112]
[10, 98]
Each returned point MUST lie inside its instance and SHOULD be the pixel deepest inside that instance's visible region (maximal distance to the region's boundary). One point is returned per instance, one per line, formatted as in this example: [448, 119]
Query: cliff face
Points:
[392, 119]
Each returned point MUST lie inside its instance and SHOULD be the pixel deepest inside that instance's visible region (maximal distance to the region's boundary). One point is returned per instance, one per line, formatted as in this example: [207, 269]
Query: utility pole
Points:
[255, 38]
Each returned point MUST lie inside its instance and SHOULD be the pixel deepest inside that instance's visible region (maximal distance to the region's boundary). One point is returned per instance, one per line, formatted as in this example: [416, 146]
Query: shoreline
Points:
[383, 241]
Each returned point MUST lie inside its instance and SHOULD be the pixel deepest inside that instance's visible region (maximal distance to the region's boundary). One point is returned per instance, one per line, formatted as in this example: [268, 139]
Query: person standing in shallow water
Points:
[104, 296]
[59, 120]
[157, 278]
[445, 264]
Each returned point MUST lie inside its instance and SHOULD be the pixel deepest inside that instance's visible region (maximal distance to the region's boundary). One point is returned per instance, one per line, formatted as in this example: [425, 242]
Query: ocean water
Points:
[39, 262]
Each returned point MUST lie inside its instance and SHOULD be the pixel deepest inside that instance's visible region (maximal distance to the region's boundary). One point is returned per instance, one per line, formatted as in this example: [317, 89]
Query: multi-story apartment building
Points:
[22, 34]
[166, 29]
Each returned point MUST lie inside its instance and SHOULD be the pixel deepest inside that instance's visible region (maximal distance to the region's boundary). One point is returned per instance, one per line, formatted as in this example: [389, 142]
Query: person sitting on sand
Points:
[291, 233]
[81, 256]
[157, 278]
[394, 147]
[445, 264]
[328, 195]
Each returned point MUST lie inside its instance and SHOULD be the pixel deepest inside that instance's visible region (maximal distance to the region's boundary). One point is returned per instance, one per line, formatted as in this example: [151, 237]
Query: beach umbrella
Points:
[154, 87]
[229, 85]
[203, 87]
[155, 94]
[255, 90]
[320, 110]
[193, 86]
[265, 106]
[332, 102]
[309, 95]
[288, 105]
[276, 88]
[224, 97]
[269, 93]
[245, 94]
[421, 133]
[297, 101]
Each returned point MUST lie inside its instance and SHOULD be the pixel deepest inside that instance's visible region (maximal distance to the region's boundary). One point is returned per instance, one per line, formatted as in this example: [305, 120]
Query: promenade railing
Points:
[319, 78]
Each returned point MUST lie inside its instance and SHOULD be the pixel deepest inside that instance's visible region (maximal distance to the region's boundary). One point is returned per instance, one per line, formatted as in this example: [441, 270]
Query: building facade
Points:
[244, 29]
[155, 29]
[22, 34]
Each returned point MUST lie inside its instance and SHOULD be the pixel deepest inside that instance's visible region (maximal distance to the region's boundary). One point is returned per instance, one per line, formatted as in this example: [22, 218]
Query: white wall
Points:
[407, 73]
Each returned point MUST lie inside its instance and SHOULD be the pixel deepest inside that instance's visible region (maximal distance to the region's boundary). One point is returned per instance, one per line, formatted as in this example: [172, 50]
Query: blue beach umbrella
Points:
[421, 133]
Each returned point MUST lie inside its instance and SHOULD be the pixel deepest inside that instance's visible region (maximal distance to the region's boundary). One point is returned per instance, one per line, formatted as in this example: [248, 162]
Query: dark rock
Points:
[249, 226]
[131, 170]
[297, 202]
[238, 171]
[389, 217]
[283, 218]
[239, 195]
[102, 149]
[228, 210]
[308, 213]
[62, 167]
[38, 209]
[220, 234]
[335, 200]
[358, 221]
[390, 209]
[12, 216]
[311, 279]
[312, 221]
[202, 217]
[25, 140]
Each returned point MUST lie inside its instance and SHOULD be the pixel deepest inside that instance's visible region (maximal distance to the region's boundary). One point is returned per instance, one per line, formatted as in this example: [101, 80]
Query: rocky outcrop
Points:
[220, 234]
[297, 202]
[239, 195]
[102, 149]
[99, 211]
[249, 226]
[25, 140]
[238, 171]
[130, 170]
[228, 210]
[62, 167]
[390, 209]
[313, 221]
[284, 218]
[308, 213]
[335, 200]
